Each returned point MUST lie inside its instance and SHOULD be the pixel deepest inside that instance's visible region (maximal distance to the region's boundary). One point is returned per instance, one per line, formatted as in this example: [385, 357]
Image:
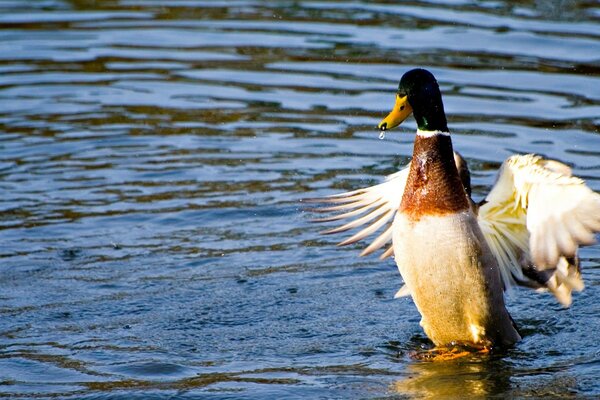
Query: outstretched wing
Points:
[374, 206]
[534, 219]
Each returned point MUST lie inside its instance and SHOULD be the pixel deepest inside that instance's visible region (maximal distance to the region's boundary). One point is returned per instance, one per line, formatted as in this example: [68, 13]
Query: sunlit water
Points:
[153, 154]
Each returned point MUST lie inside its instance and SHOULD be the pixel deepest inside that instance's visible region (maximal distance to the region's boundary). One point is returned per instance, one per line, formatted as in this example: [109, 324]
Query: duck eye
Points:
[401, 108]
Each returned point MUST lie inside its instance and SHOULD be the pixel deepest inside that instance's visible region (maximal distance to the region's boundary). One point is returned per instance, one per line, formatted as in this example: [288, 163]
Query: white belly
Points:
[453, 278]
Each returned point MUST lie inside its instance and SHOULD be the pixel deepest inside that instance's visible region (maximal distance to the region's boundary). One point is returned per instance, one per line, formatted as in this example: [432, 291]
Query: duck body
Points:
[457, 257]
[436, 238]
[469, 307]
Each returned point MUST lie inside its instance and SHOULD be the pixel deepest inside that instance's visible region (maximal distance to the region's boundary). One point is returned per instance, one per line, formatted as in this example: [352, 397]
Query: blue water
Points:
[152, 158]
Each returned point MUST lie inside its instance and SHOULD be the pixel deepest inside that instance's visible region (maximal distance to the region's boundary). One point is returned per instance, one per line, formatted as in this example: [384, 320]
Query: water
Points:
[153, 154]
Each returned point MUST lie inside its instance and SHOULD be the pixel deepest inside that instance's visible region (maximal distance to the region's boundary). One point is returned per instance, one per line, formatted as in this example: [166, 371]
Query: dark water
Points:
[152, 155]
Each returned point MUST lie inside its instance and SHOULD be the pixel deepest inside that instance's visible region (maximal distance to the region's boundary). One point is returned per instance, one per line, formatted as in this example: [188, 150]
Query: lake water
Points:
[152, 158]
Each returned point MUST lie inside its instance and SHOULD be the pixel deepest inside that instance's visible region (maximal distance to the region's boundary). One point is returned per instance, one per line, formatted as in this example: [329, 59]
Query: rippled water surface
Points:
[153, 154]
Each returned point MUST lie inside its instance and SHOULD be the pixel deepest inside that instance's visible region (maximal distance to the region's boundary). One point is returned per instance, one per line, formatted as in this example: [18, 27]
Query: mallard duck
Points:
[457, 257]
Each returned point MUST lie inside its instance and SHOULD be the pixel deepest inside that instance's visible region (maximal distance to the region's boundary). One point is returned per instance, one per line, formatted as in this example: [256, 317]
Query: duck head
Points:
[419, 94]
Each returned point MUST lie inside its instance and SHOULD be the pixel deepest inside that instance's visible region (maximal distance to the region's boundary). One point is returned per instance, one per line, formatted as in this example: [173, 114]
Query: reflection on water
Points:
[455, 379]
[153, 154]
[483, 378]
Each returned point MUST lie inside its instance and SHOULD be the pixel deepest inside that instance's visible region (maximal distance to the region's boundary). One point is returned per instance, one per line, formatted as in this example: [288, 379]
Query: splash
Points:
[382, 135]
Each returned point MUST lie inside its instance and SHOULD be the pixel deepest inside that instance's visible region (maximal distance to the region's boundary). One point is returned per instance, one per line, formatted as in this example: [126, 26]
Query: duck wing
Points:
[374, 206]
[534, 219]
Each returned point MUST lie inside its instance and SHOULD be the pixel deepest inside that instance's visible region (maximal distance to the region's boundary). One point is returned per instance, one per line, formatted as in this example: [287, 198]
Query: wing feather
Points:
[535, 218]
[377, 211]
[369, 229]
[387, 253]
[379, 242]
[374, 206]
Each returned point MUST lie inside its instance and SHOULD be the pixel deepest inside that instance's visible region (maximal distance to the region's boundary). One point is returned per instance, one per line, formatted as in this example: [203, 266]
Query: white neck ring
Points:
[427, 134]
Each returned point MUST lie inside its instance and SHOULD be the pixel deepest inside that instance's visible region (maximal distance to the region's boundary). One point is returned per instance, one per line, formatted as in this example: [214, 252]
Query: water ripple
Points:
[154, 154]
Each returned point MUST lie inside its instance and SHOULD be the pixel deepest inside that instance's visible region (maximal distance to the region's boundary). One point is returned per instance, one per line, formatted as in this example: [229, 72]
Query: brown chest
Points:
[433, 186]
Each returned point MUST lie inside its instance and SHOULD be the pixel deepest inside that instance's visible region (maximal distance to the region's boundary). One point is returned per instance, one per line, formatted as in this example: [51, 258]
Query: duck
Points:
[458, 257]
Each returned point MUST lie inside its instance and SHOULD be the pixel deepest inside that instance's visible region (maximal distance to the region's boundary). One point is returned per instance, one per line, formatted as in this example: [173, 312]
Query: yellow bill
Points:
[399, 113]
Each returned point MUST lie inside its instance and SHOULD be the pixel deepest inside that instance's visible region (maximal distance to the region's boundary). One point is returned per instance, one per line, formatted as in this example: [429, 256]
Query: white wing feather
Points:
[537, 213]
[375, 206]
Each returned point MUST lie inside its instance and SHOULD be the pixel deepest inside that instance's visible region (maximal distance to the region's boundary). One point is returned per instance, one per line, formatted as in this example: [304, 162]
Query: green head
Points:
[419, 93]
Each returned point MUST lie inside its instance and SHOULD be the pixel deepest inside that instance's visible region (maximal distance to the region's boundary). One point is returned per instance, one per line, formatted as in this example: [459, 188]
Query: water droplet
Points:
[382, 135]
